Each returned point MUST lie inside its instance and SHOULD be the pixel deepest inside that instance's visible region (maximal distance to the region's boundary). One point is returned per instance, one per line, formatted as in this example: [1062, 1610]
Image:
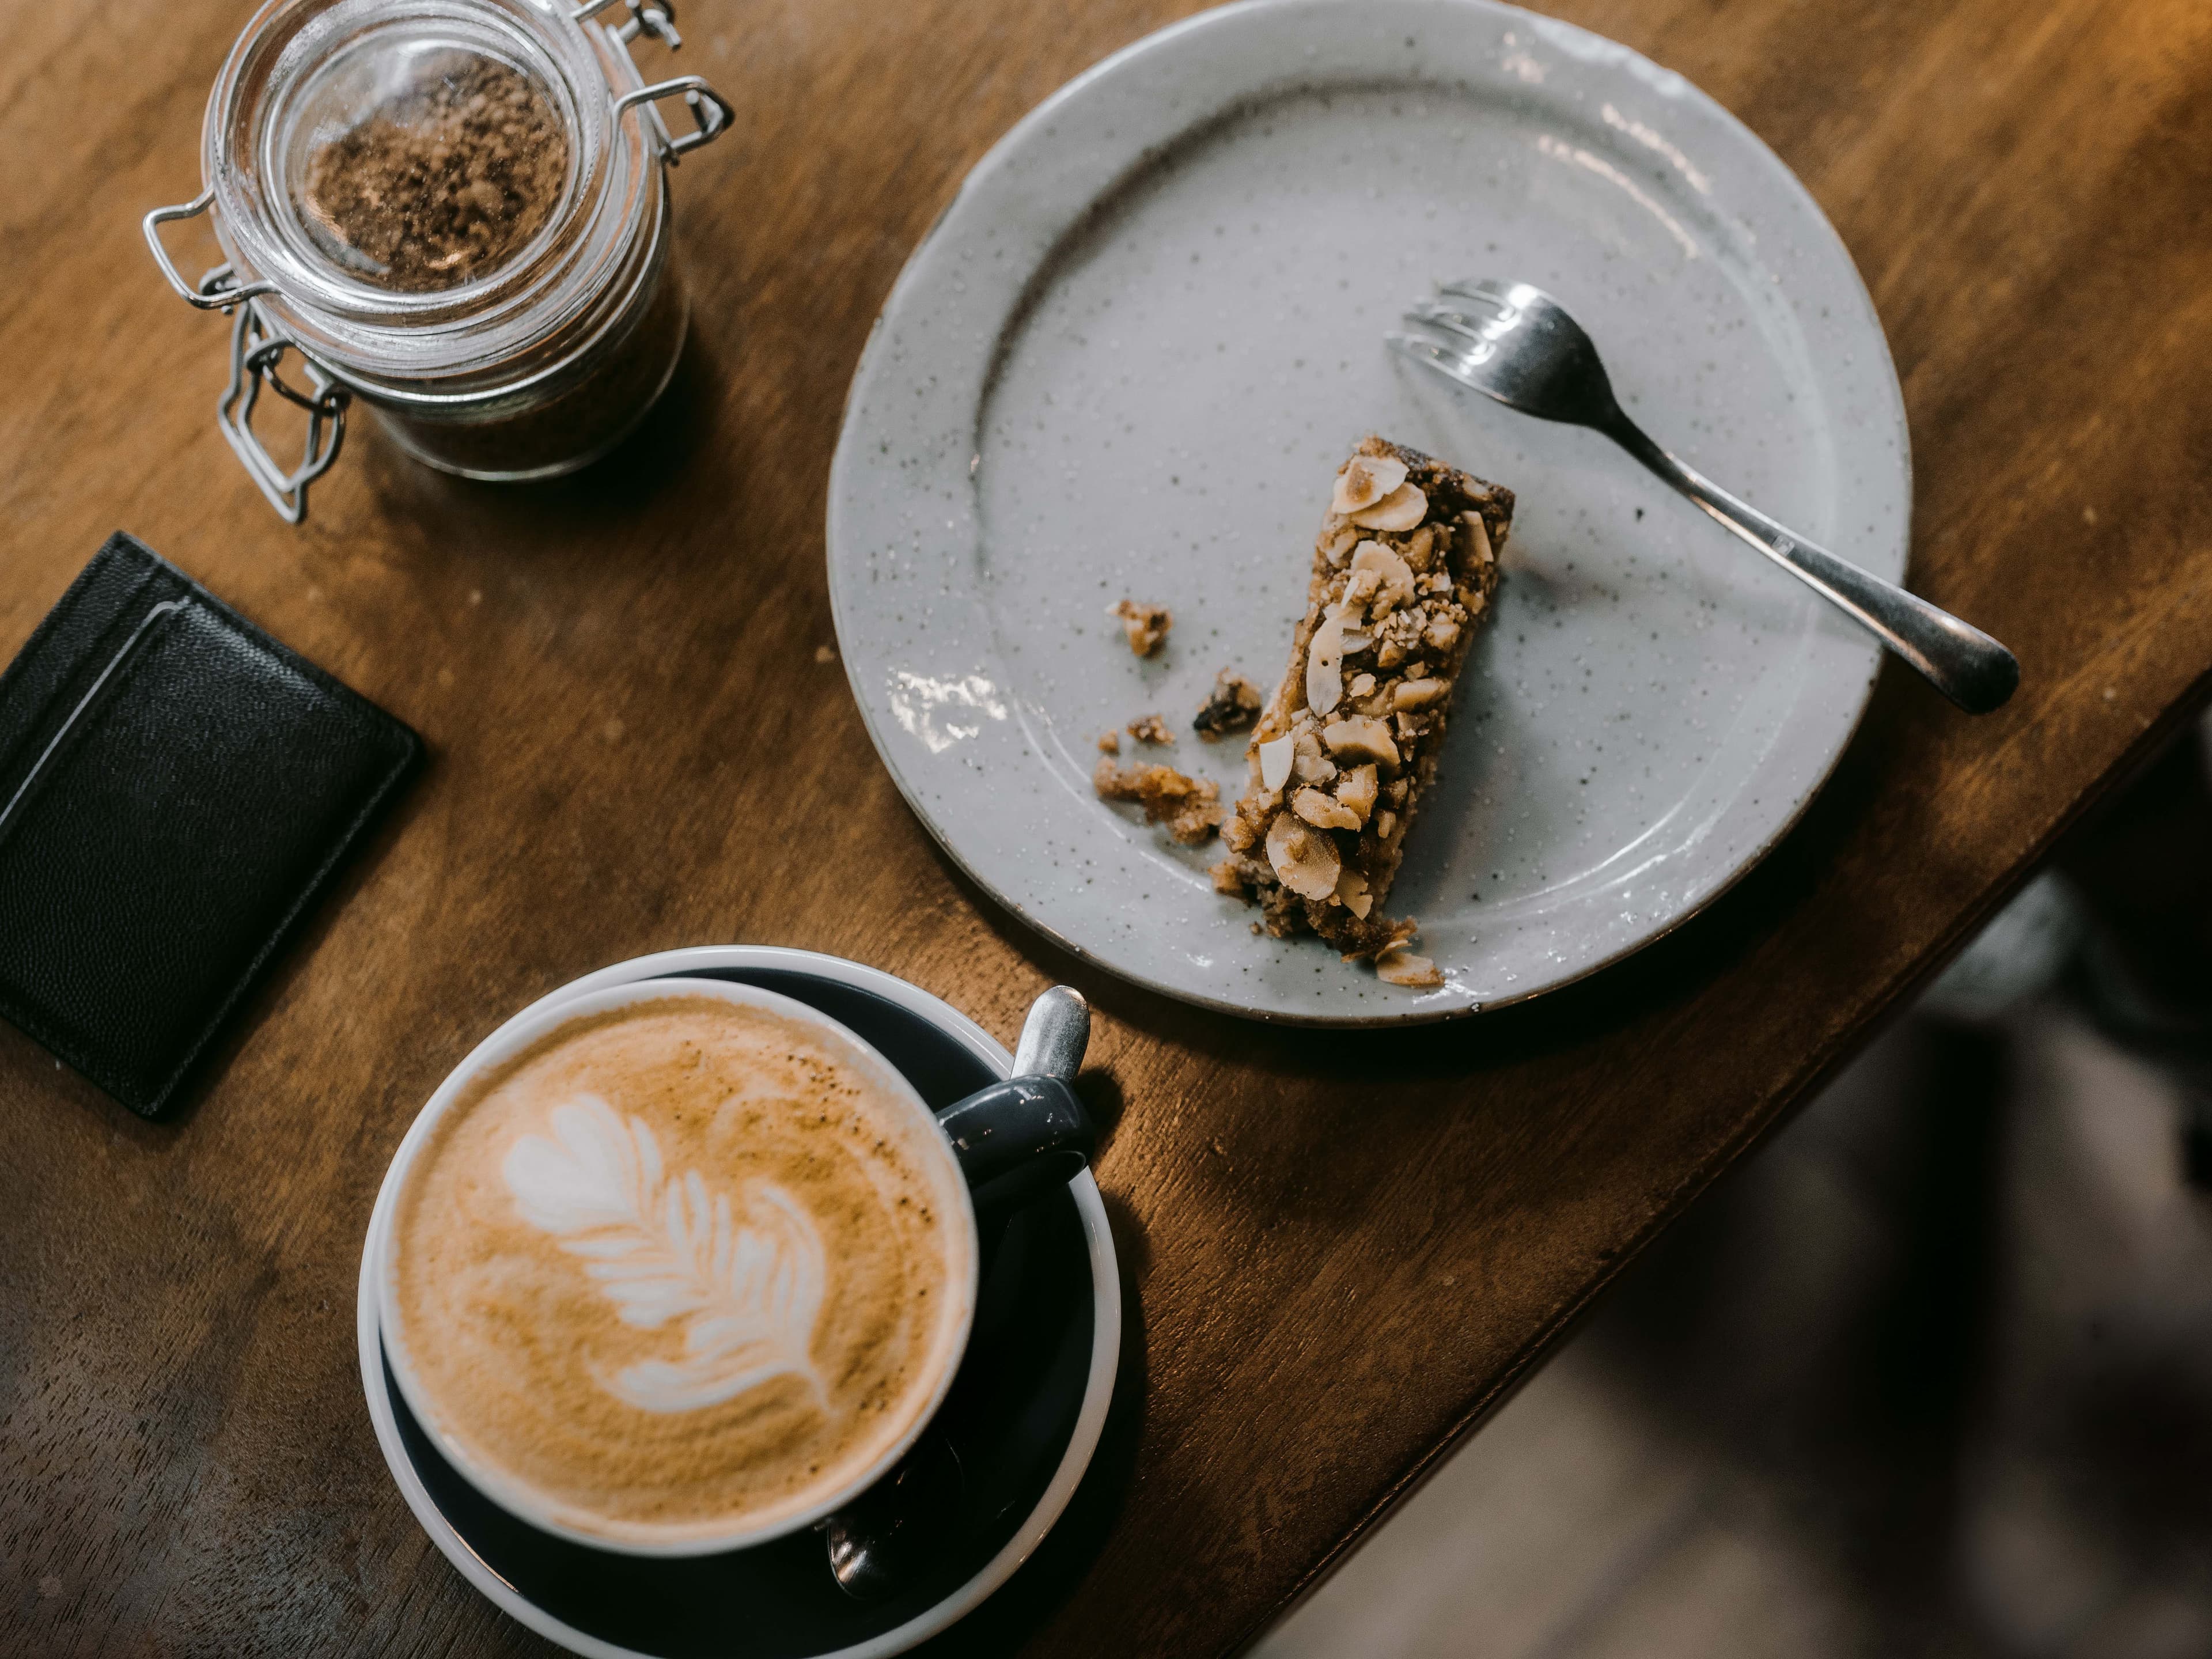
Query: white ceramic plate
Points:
[1127, 361]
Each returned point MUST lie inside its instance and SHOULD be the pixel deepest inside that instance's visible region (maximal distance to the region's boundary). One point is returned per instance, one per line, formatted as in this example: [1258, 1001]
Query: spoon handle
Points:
[1055, 1035]
[1960, 661]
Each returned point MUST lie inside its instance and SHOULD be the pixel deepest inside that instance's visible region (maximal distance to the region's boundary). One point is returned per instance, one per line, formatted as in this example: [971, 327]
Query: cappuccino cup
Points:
[681, 1265]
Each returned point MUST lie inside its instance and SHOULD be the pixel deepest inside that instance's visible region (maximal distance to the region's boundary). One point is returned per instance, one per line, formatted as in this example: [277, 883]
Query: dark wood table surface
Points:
[1341, 1251]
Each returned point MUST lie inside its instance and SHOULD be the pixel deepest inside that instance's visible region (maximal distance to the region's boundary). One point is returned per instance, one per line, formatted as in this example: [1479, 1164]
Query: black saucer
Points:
[1011, 1415]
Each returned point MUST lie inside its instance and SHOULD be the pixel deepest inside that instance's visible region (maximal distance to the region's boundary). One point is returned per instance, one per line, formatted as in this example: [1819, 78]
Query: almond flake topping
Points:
[1325, 664]
[1401, 509]
[1399, 966]
[1365, 480]
[1351, 893]
[1303, 859]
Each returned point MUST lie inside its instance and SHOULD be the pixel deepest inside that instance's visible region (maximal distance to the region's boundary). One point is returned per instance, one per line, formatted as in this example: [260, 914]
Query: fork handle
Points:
[1957, 659]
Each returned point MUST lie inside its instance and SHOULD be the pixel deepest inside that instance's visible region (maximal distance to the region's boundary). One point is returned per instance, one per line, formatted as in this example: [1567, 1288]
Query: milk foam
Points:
[664, 1249]
[682, 1267]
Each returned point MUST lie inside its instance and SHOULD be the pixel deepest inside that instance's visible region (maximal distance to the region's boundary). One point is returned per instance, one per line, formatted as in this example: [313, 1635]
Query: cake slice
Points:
[1403, 573]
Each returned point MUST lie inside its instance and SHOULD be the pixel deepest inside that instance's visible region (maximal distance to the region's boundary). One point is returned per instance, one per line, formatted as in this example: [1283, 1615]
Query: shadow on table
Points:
[1023, 1605]
[607, 496]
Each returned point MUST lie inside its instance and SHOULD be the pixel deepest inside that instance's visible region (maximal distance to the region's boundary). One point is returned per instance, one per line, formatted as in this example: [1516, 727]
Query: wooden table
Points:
[1342, 1252]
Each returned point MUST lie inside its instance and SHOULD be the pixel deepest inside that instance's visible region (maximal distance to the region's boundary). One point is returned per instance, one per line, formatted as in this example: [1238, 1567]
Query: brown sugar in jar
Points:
[444, 183]
[458, 213]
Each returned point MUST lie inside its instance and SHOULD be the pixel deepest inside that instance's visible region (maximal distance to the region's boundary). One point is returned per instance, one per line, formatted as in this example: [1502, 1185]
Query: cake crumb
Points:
[1190, 808]
[1151, 728]
[1109, 743]
[1146, 625]
[824, 653]
[1233, 705]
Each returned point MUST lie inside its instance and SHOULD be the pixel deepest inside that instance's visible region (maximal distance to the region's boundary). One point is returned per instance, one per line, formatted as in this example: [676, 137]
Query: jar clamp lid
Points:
[439, 204]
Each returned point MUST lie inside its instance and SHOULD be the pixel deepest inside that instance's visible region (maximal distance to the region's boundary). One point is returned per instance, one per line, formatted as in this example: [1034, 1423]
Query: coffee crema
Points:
[683, 1268]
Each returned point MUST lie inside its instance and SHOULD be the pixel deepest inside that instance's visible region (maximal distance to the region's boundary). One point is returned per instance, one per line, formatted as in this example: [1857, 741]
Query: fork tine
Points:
[1467, 325]
[1444, 357]
[1467, 303]
[1485, 288]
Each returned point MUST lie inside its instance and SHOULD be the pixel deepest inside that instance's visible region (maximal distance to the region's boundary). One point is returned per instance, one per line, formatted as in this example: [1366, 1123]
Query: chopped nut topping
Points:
[1190, 808]
[1399, 966]
[1275, 759]
[1234, 704]
[1482, 552]
[1303, 859]
[1338, 547]
[1391, 579]
[1360, 739]
[1308, 763]
[1321, 812]
[1361, 686]
[1385, 822]
[1366, 480]
[1356, 789]
[1419, 694]
[1151, 728]
[1441, 635]
[1146, 625]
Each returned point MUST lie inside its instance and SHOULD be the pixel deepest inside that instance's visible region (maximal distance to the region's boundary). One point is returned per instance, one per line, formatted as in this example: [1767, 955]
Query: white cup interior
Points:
[514, 1496]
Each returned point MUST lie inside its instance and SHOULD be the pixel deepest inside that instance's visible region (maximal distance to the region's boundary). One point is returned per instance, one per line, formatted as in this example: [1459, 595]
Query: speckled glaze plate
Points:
[1127, 361]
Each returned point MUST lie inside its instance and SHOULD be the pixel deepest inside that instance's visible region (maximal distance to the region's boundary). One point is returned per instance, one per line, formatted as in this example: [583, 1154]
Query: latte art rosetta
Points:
[681, 1266]
[665, 1249]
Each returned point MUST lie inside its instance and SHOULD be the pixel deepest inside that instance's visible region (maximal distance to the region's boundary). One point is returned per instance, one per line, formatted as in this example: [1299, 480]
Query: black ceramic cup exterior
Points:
[1017, 1138]
[1029, 1397]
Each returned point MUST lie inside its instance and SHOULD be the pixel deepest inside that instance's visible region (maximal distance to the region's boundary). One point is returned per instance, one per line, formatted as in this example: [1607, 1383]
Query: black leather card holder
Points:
[176, 789]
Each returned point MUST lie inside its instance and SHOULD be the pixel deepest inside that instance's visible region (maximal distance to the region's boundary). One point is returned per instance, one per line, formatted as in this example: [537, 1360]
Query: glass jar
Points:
[456, 212]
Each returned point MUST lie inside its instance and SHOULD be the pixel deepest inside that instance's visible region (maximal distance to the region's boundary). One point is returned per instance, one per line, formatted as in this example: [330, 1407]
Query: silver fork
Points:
[1515, 344]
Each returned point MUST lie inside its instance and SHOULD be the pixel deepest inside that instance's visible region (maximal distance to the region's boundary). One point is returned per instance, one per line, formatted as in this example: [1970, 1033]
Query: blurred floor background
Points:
[1930, 1375]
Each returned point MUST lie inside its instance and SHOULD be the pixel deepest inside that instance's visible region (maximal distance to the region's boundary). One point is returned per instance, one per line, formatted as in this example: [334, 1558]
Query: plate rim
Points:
[844, 461]
[1091, 1416]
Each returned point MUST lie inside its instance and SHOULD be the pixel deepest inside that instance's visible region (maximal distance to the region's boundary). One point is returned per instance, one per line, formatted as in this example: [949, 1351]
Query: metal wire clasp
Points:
[655, 17]
[201, 296]
[711, 113]
[256, 349]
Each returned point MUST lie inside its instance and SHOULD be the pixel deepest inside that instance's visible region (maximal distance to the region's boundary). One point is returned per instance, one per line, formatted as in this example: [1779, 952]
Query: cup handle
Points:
[1017, 1137]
